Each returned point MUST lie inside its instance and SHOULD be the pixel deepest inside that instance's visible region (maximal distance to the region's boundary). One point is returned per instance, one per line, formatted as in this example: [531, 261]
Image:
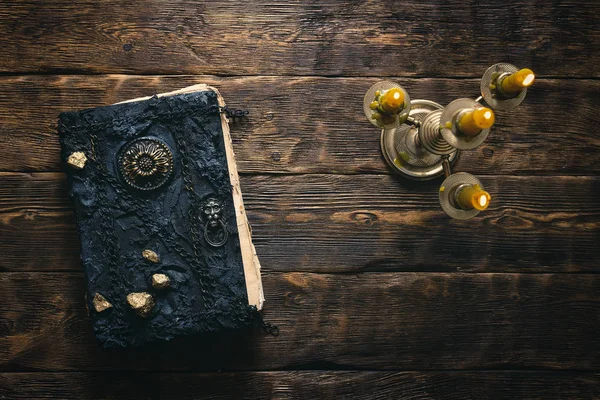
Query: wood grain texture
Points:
[377, 293]
[316, 125]
[356, 37]
[340, 223]
[301, 385]
[409, 321]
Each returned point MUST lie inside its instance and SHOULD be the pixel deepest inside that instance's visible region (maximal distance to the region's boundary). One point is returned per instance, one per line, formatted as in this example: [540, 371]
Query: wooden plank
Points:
[291, 385]
[434, 38]
[316, 125]
[340, 223]
[401, 321]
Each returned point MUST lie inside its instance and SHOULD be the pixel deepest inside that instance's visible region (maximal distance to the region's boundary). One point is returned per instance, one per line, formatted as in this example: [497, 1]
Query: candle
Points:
[516, 82]
[472, 122]
[473, 196]
[392, 101]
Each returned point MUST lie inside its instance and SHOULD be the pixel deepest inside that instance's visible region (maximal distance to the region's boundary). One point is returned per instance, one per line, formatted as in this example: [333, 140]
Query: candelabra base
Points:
[402, 149]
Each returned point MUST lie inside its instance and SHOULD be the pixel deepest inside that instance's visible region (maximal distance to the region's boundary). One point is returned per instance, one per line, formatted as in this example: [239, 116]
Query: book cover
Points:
[165, 243]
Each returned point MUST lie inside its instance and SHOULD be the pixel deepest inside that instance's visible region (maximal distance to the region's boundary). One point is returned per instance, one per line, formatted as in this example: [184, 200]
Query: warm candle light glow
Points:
[482, 200]
[392, 101]
[473, 197]
[516, 82]
[528, 80]
[472, 122]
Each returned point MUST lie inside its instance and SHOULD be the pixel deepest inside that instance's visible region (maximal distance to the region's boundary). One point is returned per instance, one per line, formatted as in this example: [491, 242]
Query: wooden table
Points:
[377, 293]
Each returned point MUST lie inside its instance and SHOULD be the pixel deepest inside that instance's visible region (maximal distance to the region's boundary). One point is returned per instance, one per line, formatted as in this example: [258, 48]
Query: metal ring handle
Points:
[212, 242]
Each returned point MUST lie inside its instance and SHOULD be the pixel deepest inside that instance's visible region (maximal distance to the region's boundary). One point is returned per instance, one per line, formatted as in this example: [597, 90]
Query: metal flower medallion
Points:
[145, 163]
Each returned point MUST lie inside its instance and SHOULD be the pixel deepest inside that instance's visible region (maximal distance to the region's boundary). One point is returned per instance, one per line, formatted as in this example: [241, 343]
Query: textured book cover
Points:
[165, 243]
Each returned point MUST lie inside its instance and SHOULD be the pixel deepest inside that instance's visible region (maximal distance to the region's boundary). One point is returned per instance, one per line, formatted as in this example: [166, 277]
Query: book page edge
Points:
[249, 257]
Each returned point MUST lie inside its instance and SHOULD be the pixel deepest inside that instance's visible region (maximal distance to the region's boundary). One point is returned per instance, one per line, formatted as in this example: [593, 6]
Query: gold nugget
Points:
[77, 160]
[141, 302]
[150, 256]
[100, 303]
[160, 281]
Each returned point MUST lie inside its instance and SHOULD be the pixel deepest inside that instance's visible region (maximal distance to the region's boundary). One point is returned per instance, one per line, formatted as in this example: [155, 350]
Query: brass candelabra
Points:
[421, 139]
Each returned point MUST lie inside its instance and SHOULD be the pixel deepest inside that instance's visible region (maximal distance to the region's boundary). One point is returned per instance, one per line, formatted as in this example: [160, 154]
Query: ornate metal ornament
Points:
[215, 231]
[145, 163]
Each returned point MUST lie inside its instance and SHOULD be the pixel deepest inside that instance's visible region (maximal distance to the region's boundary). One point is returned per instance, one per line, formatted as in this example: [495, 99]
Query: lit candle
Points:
[392, 101]
[473, 196]
[472, 122]
[516, 82]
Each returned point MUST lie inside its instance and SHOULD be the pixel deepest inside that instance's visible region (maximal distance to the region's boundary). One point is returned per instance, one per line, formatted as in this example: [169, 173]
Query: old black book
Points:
[165, 243]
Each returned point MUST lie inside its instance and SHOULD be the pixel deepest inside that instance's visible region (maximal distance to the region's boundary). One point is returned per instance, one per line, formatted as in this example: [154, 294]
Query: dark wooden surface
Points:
[377, 293]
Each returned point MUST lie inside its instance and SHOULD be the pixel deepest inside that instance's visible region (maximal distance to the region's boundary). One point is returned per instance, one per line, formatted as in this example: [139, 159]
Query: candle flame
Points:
[483, 200]
[528, 80]
[473, 196]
